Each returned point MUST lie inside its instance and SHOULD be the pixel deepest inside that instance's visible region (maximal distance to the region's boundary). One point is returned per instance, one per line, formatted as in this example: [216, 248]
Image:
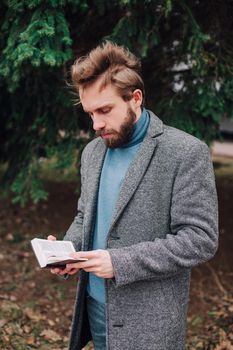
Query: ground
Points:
[36, 307]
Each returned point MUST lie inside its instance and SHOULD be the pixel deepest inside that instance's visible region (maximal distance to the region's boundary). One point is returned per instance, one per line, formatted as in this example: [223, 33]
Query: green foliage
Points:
[186, 50]
[28, 185]
[37, 35]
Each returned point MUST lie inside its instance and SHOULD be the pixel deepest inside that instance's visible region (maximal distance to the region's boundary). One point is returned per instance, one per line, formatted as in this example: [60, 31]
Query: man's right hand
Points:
[61, 272]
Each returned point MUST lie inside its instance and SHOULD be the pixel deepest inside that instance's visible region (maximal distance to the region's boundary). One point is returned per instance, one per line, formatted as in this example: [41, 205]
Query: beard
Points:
[123, 136]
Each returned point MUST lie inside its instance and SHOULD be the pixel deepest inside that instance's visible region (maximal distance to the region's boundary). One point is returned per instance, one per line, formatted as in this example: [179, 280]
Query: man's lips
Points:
[105, 133]
[105, 136]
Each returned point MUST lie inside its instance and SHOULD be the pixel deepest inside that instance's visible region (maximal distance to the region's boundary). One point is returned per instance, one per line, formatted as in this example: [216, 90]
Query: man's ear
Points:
[137, 97]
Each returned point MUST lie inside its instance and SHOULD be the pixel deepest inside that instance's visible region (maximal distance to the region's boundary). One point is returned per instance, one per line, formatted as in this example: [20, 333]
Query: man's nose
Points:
[98, 123]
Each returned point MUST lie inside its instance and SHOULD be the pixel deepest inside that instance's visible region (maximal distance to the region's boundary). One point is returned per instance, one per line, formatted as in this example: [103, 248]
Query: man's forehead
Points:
[94, 97]
[97, 88]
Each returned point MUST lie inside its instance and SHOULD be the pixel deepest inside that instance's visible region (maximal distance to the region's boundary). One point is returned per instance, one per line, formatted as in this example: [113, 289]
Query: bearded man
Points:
[147, 213]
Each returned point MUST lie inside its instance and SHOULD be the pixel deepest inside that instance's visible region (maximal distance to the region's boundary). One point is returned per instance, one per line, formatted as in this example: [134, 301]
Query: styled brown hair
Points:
[115, 64]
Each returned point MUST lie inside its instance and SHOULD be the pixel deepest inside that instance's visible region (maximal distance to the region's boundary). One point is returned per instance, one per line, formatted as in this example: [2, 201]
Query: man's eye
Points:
[105, 110]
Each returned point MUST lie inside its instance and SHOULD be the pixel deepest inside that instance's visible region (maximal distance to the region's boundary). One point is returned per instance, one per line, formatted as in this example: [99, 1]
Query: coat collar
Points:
[156, 126]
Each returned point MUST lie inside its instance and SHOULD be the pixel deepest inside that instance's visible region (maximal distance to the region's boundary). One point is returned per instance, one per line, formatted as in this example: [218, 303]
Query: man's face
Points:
[113, 118]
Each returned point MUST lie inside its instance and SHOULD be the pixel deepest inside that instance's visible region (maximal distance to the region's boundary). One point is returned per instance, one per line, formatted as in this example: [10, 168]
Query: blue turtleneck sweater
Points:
[116, 164]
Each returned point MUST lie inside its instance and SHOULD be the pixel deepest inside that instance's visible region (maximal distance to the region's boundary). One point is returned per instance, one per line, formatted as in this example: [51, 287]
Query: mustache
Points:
[103, 132]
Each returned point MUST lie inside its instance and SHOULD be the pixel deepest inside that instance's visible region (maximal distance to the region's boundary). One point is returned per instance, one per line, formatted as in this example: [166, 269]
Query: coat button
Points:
[114, 238]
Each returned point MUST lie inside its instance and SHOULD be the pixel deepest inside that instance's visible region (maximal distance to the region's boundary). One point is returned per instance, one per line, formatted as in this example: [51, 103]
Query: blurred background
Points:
[186, 48]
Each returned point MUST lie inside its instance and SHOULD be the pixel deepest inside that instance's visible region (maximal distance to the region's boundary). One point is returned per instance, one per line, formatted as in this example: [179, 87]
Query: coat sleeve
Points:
[193, 236]
[74, 233]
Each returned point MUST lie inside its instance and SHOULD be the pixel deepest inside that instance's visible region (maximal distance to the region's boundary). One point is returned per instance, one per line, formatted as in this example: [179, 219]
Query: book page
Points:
[56, 248]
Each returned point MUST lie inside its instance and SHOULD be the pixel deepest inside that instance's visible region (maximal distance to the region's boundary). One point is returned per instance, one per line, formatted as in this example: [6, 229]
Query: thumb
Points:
[51, 238]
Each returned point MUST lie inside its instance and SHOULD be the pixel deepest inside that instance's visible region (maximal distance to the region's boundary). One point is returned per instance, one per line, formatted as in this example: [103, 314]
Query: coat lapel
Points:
[94, 172]
[139, 166]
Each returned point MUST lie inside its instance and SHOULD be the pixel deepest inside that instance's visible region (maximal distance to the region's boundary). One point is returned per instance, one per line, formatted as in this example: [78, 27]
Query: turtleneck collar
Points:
[139, 129]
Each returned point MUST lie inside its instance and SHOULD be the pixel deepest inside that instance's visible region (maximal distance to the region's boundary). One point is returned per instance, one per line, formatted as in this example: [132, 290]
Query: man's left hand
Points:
[99, 262]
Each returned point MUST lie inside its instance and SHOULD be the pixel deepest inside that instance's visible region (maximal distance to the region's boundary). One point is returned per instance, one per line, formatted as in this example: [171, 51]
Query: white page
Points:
[55, 248]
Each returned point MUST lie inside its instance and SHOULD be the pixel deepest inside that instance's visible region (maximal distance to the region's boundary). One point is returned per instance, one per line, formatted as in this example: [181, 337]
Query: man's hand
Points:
[99, 262]
[61, 272]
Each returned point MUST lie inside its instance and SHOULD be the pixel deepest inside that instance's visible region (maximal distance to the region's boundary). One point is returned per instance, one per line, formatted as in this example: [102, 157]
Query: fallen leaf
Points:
[26, 329]
[6, 338]
[51, 322]
[32, 315]
[2, 322]
[4, 296]
[9, 330]
[225, 345]
[18, 220]
[9, 237]
[32, 284]
[49, 334]
[31, 340]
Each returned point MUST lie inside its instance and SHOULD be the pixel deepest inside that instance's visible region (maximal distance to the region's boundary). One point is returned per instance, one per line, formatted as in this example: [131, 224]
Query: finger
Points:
[55, 270]
[73, 271]
[86, 254]
[58, 271]
[83, 264]
[51, 238]
[93, 269]
[63, 272]
[67, 271]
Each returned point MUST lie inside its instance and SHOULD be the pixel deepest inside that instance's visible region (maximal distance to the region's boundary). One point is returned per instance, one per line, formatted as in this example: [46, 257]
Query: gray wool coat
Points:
[165, 222]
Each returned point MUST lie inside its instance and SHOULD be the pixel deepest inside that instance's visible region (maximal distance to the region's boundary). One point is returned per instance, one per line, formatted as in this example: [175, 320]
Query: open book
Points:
[53, 253]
